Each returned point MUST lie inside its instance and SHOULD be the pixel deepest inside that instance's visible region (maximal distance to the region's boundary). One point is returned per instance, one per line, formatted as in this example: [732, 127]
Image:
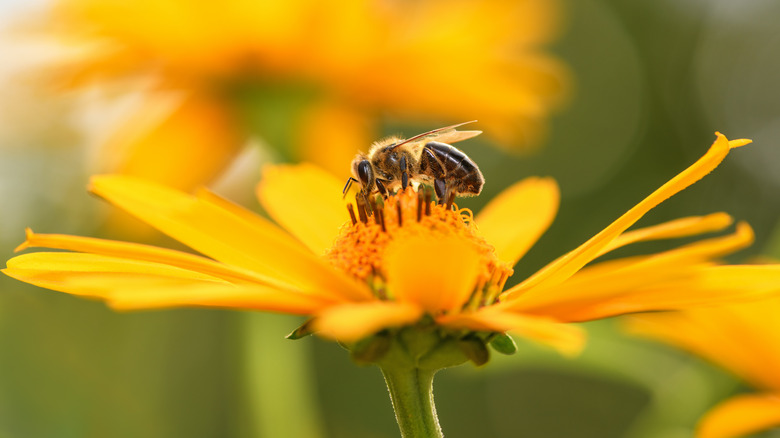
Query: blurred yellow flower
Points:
[342, 66]
[410, 263]
[742, 338]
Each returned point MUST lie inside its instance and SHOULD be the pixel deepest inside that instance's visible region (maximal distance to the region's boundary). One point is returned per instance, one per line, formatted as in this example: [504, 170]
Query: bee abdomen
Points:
[453, 165]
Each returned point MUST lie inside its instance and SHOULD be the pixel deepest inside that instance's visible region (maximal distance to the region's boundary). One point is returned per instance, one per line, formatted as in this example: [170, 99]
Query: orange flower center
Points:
[361, 246]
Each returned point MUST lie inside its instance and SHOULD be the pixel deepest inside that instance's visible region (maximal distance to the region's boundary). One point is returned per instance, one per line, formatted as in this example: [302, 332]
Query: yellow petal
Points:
[73, 272]
[131, 284]
[741, 338]
[515, 219]
[651, 283]
[306, 201]
[331, 133]
[229, 296]
[564, 267]
[704, 286]
[227, 233]
[136, 251]
[566, 338]
[352, 322]
[196, 132]
[683, 227]
[634, 271]
[741, 416]
[438, 274]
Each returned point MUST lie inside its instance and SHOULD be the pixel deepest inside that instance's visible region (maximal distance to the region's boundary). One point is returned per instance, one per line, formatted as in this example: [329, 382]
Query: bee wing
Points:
[447, 134]
[455, 136]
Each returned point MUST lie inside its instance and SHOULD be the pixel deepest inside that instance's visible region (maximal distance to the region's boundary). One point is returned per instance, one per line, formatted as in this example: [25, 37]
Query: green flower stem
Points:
[409, 358]
[411, 391]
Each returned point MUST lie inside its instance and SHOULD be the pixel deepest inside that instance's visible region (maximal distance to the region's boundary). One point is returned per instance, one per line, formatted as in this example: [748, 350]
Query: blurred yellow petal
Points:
[229, 237]
[683, 227]
[540, 21]
[352, 322]
[711, 339]
[564, 267]
[179, 141]
[740, 416]
[740, 337]
[438, 274]
[493, 53]
[332, 133]
[501, 91]
[90, 61]
[306, 201]
[516, 218]
[566, 338]
[193, 38]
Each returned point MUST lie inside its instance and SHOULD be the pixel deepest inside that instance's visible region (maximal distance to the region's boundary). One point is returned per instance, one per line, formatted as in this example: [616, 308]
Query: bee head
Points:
[363, 172]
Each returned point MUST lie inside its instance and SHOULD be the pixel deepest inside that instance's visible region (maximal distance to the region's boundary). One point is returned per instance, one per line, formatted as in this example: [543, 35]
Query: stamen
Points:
[427, 203]
[420, 200]
[361, 206]
[351, 210]
[381, 216]
[378, 283]
[400, 216]
[378, 211]
[367, 205]
[498, 279]
[374, 209]
[476, 297]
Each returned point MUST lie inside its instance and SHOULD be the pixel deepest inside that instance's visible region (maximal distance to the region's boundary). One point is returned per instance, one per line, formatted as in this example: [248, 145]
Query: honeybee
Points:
[425, 158]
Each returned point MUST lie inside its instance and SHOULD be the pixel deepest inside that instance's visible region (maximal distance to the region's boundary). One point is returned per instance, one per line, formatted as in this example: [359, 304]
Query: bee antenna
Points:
[347, 186]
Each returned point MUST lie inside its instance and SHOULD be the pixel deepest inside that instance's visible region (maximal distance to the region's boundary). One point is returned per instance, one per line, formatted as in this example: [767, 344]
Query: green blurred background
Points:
[653, 81]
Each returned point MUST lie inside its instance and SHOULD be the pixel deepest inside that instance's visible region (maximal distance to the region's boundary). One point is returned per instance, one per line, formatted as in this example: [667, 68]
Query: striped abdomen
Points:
[444, 162]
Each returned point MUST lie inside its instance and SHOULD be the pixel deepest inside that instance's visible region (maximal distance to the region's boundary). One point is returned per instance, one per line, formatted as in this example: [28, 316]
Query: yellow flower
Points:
[342, 65]
[407, 262]
[742, 338]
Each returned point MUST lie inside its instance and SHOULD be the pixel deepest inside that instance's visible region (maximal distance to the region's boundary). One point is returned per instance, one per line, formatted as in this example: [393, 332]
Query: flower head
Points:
[400, 262]
[741, 338]
[338, 67]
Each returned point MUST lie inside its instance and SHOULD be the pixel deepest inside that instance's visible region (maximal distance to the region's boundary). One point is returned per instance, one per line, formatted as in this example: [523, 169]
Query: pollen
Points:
[361, 245]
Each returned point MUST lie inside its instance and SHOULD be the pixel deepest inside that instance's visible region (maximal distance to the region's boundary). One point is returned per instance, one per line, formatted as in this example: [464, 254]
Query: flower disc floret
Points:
[363, 245]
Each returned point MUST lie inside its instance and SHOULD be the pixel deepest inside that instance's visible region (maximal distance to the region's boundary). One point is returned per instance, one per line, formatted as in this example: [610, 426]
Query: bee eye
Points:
[364, 172]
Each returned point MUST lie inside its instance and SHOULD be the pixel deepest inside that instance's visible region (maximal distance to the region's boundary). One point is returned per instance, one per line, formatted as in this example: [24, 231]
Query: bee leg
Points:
[450, 199]
[404, 173]
[441, 190]
[382, 189]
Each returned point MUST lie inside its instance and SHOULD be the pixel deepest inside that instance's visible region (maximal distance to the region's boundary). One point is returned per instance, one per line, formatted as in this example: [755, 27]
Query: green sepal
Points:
[301, 332]
[371, 349]
[474, 348]
[504, 344]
